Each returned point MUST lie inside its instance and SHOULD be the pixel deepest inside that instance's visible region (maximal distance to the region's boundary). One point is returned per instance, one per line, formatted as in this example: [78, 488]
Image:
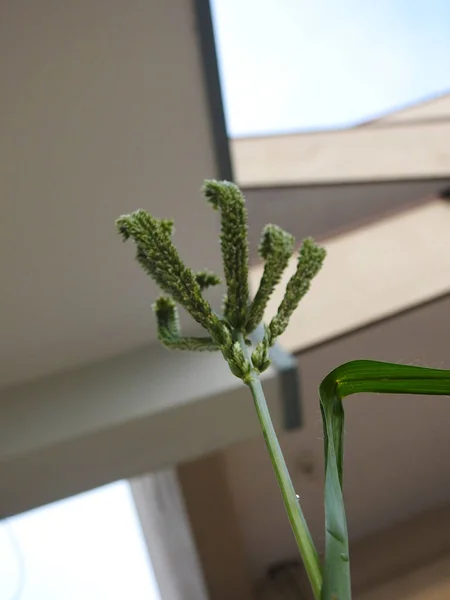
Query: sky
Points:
[293, 65]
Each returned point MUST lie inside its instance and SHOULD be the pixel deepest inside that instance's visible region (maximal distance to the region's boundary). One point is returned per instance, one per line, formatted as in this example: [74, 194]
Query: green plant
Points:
[229, 334]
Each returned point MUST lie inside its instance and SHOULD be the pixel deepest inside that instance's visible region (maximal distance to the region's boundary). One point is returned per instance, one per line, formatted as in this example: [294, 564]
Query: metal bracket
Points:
[288, 372]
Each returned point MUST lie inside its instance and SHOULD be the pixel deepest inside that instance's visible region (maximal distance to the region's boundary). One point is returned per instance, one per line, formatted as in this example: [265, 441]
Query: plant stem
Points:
[291, 502]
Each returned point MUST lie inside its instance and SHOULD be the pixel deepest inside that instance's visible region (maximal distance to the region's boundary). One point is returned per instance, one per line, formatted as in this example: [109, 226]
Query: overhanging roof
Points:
[324, 182]
[432, 108]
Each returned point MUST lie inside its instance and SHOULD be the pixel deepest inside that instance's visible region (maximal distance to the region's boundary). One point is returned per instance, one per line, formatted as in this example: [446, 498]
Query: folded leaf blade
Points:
[360, 376]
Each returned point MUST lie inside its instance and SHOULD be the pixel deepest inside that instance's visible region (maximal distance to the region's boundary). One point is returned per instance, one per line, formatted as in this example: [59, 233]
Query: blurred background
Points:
[128, 471]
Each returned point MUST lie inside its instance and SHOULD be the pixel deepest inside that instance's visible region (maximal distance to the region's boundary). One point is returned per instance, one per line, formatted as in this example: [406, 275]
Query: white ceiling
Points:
[103, 111]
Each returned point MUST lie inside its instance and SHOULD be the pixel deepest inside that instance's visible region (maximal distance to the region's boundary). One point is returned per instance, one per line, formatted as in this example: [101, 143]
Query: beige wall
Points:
[396, 447]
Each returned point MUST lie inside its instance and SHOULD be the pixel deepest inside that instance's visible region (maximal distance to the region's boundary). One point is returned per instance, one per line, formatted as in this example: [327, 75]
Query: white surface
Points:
[88, 547]
[137, 413]
[105, 395]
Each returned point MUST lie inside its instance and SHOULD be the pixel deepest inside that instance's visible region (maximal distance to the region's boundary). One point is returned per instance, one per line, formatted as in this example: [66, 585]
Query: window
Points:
[85, 548]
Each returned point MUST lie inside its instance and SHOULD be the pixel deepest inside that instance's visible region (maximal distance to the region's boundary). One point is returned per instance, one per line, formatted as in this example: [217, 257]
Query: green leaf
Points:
[351, 378]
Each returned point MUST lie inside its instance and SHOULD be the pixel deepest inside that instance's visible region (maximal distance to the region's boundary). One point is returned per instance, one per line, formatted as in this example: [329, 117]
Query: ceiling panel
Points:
[103, 110]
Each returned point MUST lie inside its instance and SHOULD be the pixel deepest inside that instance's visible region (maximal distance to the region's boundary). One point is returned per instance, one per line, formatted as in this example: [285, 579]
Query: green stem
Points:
[300, 529]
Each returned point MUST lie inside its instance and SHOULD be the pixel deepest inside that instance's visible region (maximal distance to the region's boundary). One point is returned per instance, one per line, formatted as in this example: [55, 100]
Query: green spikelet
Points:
[159, 258]
[228, 332]
[169, 329]
[206, 279]
[276, 249]
[310, 261]
[227, 198]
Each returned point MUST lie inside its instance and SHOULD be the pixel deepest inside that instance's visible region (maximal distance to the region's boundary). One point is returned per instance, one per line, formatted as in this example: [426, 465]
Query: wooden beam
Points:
[367, 275]
[398, 152]
[213, 520]
[136, 413]
[165, 525]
